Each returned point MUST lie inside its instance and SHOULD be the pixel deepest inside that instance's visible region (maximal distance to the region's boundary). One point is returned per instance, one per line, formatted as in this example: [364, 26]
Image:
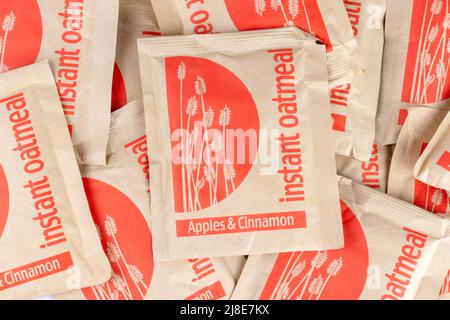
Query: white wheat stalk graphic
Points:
[332, 270]
[275, 4]
[293, 8]
[260, 7]
[424, 37]
[7, 26]
[191, 111]
[316, 263]
[181, 75]
[207, 120]
[229, 174]
[436, 198]
[315, 286]
[117, 254]
[416, 67]
[112, 253]
[120, 285]
[285, 274]
[442, 65]
[224, 121]
[138, 278]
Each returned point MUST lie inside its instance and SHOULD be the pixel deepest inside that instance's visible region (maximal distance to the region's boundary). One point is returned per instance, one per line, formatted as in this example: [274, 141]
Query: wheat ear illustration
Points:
[120, 285]
[436, 199]
[111, 230]
[7, 26]
[442, 65]
[224, 121]
[229, 174]
[293, 8]
[112, 249]
[316, 263]
[418, 56]
[281, 280]
[275, 4]
[138, 278]
[290, 271]
[315, 287]
[424, 39]
[260, 7]
[191, 111]
[332, 270]
[181, 75]
[207, 120]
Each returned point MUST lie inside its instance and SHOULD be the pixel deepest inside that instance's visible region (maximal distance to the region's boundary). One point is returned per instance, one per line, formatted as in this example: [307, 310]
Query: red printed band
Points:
[239, 224]
[212, 292]
[444, 161]
[34, 271]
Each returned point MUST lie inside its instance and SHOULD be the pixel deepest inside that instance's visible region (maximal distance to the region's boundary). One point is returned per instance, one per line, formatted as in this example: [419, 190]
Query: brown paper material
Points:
[433, 166]
[415, 63]
[415, 136]
[417, 132]
[392, 251]
[48, 241]
[136, 20]
[254, 187]
[326, 20]
[118, 195]
[354, 105]
[373, 173]
[78, 39]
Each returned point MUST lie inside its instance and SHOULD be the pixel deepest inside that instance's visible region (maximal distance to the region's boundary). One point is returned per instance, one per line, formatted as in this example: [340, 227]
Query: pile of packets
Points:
[225, 149]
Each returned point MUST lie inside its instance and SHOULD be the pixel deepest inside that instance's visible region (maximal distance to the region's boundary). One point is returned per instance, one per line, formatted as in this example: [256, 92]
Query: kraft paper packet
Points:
[417, 132]
[354, 105]
[207, 199]
[415, 136]
[373, 173]
[136, 20]
[415, 63]
[118, 195]
[48, 240]
[78, 38]
[393, 251]
[325, 19]
[433, 166]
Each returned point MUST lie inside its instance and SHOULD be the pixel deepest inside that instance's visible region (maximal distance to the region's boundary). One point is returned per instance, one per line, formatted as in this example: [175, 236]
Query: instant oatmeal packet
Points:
[78, 38]
[393, 251]
[418, 130]
[414, 138]
[230, 115]
[118, 196]
[325, 19]
[373, 173]
[433, 166]
[136, 20]
[415, 63]
[48, 240]
[354, 105]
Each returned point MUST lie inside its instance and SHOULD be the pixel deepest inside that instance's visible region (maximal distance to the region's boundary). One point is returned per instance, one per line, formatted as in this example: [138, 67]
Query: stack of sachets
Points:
[238, 128]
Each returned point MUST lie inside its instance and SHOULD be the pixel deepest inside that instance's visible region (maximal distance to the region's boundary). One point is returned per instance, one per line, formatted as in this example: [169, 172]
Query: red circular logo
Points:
[126, 239]
[214, 112]
[323, 275]
[119, 90]
[263, 14]
[4, 200]
[20, 33]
